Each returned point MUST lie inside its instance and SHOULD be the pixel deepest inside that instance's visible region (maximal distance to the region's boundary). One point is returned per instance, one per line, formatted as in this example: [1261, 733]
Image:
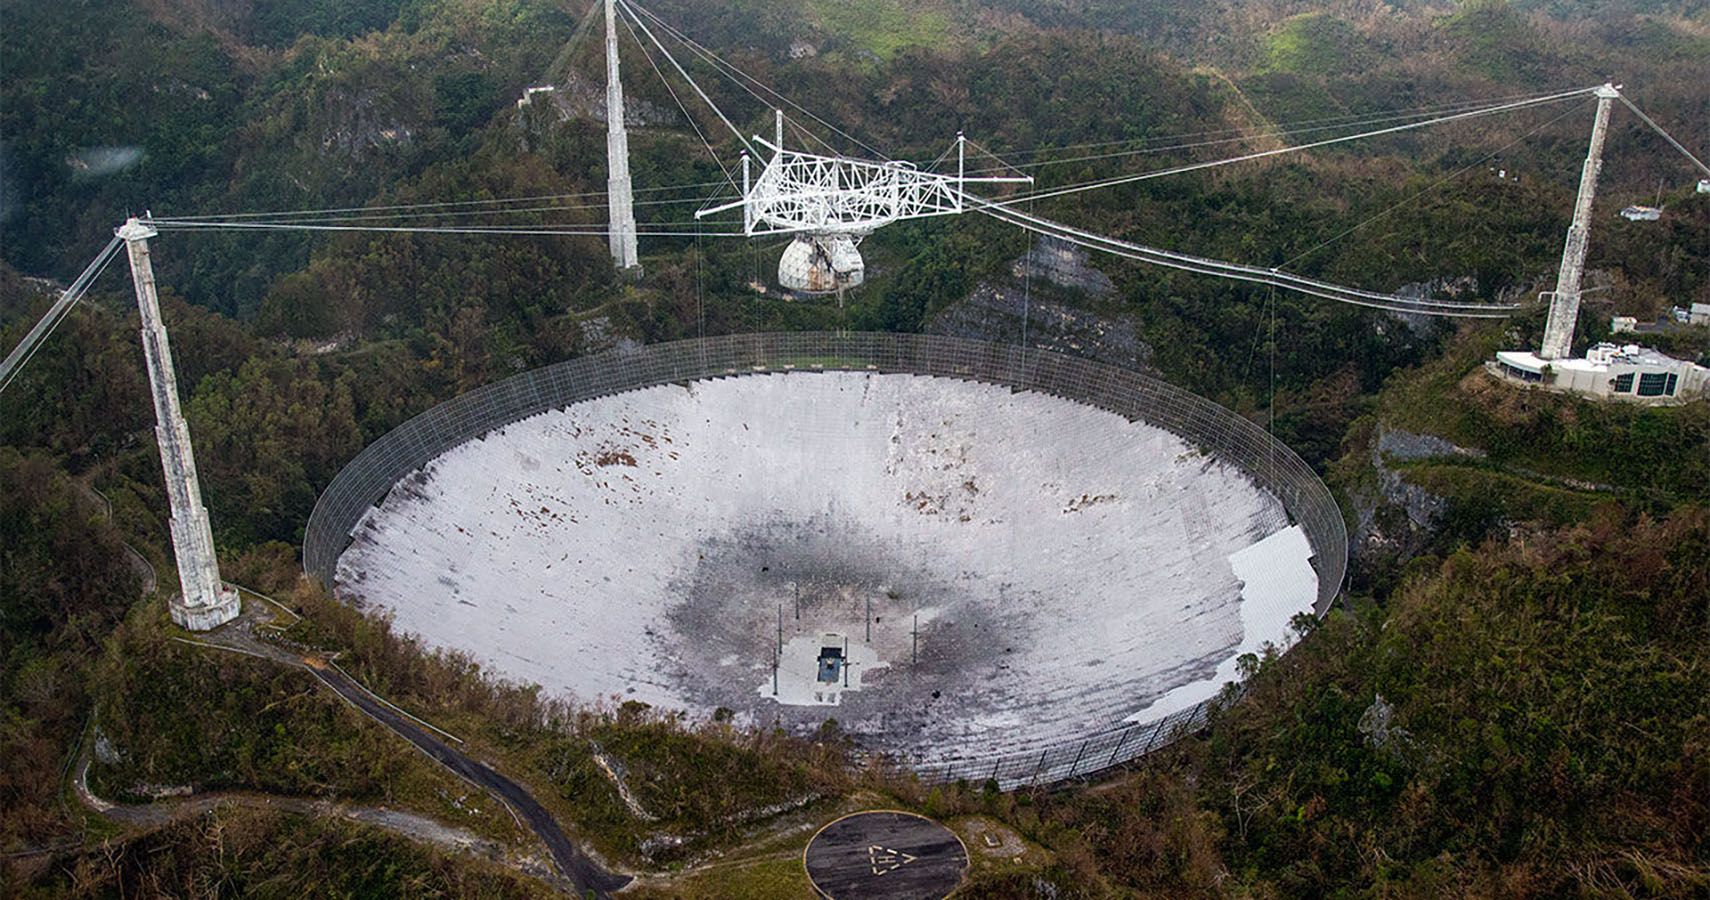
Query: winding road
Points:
[585, 875]
[583, 872]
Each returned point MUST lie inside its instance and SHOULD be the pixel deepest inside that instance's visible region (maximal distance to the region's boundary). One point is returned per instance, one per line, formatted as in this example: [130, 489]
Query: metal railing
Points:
[367, 479]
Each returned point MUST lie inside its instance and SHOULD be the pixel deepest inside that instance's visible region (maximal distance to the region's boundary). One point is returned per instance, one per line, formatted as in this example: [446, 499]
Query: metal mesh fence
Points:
[366, 480]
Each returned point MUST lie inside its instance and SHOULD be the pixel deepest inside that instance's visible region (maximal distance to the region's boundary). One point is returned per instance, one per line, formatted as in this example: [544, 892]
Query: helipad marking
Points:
[884, 854]
[885, 859]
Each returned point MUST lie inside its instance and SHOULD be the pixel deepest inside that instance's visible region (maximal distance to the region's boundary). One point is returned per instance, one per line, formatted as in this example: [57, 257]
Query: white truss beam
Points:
[807, 193]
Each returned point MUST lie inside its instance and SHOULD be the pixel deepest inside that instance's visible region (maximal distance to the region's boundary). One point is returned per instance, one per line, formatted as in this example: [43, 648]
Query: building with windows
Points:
[1619, 372]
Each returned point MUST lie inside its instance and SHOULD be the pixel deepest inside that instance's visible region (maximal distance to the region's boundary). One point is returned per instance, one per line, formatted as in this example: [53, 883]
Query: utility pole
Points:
[1564, 303]
[620, 194]
[914, 657]
[203, 601]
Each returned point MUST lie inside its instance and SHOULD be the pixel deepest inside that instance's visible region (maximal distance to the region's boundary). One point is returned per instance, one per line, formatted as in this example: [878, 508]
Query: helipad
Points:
[885, 855]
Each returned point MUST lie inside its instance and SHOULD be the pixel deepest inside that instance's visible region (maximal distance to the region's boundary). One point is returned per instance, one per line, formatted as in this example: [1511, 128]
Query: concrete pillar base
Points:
[208, 617]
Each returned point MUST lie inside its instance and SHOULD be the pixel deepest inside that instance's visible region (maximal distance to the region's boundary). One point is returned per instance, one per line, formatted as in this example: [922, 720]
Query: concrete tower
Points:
[619, 193]
[203, 601]
[1564, 303]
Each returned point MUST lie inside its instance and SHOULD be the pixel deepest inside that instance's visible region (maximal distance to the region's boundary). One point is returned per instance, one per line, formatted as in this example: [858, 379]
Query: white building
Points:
[1700, 314]
[1608, 371]
[1620, 372]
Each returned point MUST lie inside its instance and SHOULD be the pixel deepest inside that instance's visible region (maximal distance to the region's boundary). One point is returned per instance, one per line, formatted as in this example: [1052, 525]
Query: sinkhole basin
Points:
[980, 560]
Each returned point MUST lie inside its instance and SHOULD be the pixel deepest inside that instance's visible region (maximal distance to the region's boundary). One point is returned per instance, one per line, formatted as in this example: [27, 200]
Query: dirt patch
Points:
[615, 458]
[988, 838]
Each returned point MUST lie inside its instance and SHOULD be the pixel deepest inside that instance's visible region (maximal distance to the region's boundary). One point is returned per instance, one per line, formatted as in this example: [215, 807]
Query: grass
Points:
[882, 27]
[703, 787]
[247, 852]
[779, 876]
[1312, 44]
[1477, 486]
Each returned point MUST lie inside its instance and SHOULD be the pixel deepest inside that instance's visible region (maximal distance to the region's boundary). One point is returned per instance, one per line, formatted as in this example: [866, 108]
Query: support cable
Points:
[807, 133]
[562, 60]
[383, 217]
[547, 231]
[1263, 154]
[680, 71]
[727, 69]
[1345, 120]
[1239, 136]
[1666, 136]
[1236, 271]
[1003, 164]
[684, 109]
[444, 204]
[1428, 188]
[39, 333]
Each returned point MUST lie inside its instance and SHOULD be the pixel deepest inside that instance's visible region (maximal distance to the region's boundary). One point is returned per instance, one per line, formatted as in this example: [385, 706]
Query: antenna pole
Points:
[203, 602]
[961, 166]
[747, 208]
[1564, 303]
[620, 196]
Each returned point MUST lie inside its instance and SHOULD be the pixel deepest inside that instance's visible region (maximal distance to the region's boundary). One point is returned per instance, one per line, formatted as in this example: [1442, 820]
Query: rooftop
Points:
[1598, 359]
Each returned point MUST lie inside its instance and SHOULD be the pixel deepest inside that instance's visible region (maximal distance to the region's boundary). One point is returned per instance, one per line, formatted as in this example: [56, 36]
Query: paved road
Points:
[583, 872]
[160, 813]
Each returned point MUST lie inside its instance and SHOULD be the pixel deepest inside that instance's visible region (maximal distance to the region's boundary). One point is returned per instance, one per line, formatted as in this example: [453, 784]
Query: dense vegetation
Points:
[1546, 736]
[247, 853]
[1538, 647]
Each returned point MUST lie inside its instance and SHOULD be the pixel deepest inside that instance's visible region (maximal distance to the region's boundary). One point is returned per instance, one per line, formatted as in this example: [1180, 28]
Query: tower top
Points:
[135, 229]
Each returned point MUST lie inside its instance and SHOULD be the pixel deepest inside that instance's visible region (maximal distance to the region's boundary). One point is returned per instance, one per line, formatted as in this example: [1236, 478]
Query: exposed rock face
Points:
[360, 121]
[577, 97]
[1406, 445]
[1064, 265]
[1002, 310]
[1402, 518]
[1378, 729]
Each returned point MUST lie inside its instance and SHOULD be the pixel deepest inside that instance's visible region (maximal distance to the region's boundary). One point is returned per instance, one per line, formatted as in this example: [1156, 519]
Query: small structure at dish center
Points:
[816, 670]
